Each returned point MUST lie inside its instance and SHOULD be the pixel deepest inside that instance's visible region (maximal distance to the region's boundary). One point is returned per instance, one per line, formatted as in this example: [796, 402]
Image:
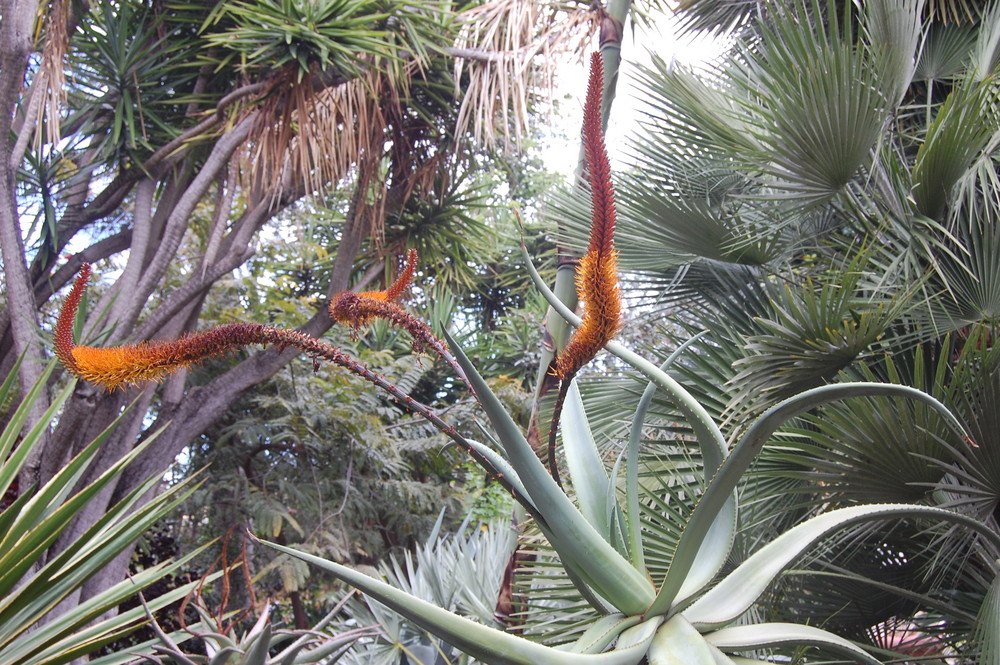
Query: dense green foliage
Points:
[809, 236]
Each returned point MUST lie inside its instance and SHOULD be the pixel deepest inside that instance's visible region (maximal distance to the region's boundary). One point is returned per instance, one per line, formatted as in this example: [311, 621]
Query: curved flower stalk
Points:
[357, 310]
[133, 364]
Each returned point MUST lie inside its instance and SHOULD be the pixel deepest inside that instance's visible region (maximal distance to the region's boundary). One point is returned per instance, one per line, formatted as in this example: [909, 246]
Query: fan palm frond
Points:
[815, 331]
[961, 130]
[817, 126]
[945, 52]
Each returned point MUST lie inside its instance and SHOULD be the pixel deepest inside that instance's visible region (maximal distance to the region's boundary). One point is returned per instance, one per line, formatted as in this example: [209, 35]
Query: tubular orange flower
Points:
[358, 309]
[597, 273]
[131, 364]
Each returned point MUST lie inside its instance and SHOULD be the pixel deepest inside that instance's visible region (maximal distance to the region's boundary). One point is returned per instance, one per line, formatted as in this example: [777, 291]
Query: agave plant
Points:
[261, 644]
[648, 598]
[461, 571]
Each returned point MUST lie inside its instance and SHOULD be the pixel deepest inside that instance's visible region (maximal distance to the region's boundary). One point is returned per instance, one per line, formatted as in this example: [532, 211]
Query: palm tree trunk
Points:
[16, 23]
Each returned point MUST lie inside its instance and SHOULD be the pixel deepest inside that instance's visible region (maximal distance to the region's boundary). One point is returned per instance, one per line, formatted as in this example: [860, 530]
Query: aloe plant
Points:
[261, 644]
[646, 603]
[690, 614]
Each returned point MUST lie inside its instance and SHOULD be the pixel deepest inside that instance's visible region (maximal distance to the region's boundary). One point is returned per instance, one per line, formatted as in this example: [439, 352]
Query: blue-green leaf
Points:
[764, 635]
[586, 467]
[740, 589]
[482, 642]
[578, 543]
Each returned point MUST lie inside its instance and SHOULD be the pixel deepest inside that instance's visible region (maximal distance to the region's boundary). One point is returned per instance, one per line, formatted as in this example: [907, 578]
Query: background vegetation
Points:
[816, 206]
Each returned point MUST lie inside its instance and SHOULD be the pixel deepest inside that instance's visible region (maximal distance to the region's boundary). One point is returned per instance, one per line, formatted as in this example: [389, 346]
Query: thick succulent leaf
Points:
[487, 644]
[501, 465]
[745, 452]
[602, 633]
[741, 588]
[677, 642]
[764, 635]
[586, 467]
[603, 568]
[712, 553]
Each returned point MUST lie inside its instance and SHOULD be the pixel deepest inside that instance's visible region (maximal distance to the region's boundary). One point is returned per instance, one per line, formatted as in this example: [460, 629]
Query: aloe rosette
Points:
[689, 616]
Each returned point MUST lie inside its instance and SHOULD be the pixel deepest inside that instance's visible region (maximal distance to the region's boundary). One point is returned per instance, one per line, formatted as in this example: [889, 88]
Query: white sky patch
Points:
[638, 46]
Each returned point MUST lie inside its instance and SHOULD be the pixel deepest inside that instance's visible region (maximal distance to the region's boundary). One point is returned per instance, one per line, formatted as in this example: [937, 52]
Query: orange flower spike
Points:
[132, 364]
[398, 288]
[358, 309]
[64, 327]
[597, 273]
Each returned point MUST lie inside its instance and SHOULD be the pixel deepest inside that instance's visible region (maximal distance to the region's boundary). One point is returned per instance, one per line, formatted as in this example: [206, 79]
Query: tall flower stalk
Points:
[597, 273]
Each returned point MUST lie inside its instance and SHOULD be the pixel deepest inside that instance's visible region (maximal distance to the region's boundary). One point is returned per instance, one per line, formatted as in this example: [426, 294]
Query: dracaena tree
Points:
[164, 137]
[646, 556]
